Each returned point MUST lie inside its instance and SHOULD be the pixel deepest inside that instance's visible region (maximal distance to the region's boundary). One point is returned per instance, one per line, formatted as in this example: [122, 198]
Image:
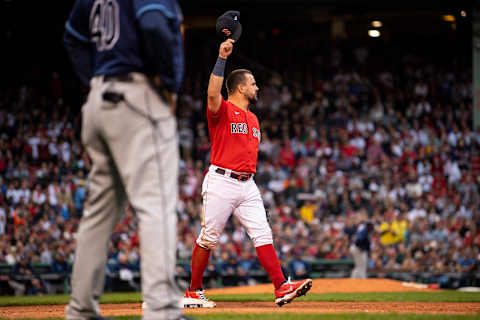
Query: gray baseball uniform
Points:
[130, 133]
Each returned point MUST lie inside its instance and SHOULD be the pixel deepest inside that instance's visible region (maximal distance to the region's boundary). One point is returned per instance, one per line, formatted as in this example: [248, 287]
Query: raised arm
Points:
[214, 97]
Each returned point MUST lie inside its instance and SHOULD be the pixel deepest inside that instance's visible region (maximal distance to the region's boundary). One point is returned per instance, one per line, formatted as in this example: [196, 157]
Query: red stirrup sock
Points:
[199, 264]
[269, 260]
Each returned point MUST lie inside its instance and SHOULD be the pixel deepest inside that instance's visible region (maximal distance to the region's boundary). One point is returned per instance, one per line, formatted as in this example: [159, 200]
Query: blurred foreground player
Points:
[122, 47]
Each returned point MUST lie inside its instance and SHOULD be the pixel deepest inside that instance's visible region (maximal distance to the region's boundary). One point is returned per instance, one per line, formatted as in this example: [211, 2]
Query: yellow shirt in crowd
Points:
[393, 233]
[307, 212]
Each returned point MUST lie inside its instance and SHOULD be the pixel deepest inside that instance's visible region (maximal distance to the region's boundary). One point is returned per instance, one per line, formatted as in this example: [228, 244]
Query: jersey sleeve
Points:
[215, 117]
[169, 8]
[77, 23]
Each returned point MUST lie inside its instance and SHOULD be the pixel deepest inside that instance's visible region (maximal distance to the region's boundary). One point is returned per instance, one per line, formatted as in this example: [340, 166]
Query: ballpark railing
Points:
[55, 283]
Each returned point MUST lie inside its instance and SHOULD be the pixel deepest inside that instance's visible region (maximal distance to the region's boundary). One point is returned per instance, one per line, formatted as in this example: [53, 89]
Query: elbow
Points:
[213, 109]
[213, 92]
[213, 103]
[212, 96]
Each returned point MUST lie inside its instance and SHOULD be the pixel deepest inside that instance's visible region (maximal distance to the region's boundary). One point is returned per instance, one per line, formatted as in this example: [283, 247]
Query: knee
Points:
[263, 239]
[207, 241]
[206, 244]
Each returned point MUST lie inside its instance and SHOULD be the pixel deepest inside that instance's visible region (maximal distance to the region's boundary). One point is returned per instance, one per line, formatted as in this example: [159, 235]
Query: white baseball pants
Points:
[222, 196]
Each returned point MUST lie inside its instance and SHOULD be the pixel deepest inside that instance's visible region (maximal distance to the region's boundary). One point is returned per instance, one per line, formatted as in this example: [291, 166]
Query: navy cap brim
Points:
[238, 32]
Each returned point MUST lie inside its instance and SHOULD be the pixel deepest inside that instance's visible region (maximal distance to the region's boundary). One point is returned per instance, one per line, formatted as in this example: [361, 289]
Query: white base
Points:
[191, 303]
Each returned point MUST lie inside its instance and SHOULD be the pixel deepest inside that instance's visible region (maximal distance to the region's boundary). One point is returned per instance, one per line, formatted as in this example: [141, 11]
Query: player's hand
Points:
[226, 48]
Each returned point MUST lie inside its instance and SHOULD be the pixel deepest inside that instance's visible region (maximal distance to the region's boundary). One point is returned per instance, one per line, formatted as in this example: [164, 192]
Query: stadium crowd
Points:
[394, 147]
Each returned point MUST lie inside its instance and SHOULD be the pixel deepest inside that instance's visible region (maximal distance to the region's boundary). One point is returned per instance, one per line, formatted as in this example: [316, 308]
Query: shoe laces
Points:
[288, 281]
[201, 295]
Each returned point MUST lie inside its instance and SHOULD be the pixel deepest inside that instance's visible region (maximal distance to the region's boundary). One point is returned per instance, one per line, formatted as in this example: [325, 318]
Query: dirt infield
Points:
[132, 309]
[319, 286]
[334, 285]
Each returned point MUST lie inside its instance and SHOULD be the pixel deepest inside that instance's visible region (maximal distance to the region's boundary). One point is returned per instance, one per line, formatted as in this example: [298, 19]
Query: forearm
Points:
[215, 85]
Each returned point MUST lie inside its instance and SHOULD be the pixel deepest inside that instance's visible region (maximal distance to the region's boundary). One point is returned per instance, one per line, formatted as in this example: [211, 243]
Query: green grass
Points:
[126, 297]
[293, 316]
[441, 296]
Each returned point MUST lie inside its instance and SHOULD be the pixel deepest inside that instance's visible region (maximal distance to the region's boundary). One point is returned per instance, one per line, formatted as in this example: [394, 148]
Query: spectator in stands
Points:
[24, 279]
[59, 264]
[126, 270]
[307, 211]
[394, 229]
[298, 268]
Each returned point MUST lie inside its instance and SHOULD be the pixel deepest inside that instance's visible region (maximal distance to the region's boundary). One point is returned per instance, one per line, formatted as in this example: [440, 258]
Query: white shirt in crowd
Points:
[421, 89]
[423, 107]
[416, 213]
[46, 257]
[33, 142]
[453, 138]
[453, 172]
[426, 182]
[65, 149]
[3, 221]
[52, 148]
[397, 150]
[52, 194]
[266, 146]
[15, 195]
[38, 197]
[423, 137]
[358, 142]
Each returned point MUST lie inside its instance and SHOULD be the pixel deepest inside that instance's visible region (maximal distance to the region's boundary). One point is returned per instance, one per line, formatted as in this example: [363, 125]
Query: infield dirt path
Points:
[132, 309]
[319, 286]
[334, 285]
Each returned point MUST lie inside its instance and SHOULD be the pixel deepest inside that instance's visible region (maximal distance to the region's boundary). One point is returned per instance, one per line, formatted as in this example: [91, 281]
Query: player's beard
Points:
[253, 98]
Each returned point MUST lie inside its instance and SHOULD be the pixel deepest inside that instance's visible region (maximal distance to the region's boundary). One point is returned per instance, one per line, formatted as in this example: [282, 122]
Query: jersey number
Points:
[105, 24]
[257, 134]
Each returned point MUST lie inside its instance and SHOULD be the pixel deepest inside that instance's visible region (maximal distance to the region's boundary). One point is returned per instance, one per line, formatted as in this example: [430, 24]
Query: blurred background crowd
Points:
[350, 134]
[394, 147]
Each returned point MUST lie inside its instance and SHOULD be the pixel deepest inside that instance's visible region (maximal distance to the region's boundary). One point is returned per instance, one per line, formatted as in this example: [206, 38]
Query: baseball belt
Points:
[236, 176]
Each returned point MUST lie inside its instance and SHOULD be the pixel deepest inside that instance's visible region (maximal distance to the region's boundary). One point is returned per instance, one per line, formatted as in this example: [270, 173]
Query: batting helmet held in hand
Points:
[228, 25]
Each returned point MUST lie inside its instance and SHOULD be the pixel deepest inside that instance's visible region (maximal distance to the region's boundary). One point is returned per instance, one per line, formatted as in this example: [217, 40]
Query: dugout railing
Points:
[321, 268]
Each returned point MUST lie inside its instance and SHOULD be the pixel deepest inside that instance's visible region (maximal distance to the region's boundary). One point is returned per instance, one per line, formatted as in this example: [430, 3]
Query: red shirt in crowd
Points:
[286, 157]
[235, 136]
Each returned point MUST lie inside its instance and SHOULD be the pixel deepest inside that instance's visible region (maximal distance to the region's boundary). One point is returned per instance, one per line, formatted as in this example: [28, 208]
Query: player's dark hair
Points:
[235, 78]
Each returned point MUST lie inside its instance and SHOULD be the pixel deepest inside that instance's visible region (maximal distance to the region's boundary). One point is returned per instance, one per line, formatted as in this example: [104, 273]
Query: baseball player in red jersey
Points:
[229, 187]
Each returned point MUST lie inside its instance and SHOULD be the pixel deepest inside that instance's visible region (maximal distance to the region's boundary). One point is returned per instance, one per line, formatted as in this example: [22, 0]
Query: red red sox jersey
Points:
[235, 136]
